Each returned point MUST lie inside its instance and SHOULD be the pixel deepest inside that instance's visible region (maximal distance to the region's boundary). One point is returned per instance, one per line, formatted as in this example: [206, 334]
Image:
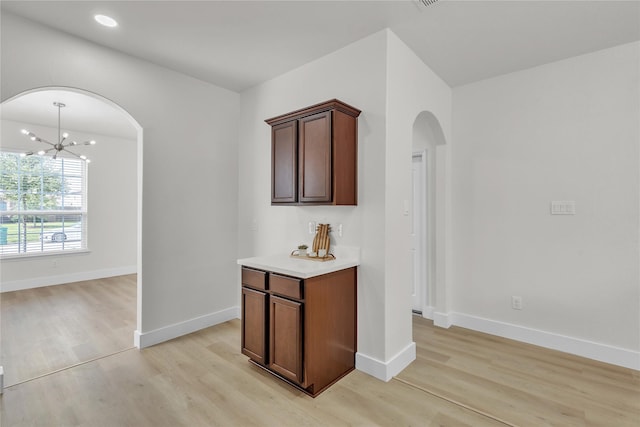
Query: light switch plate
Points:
[563, 207]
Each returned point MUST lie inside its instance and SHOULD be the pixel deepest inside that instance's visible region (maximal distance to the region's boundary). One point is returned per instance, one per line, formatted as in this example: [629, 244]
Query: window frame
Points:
[63, 248]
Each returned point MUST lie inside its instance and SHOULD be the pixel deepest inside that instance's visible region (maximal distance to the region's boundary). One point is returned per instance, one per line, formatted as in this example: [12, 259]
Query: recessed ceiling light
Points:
[105, 20]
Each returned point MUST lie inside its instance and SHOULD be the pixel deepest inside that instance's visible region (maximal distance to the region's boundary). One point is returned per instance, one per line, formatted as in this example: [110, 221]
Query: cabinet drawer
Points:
[254, 278]
[286, 286]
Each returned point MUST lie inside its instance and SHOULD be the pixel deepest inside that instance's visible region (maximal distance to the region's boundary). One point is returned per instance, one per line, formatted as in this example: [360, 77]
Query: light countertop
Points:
[303, 268]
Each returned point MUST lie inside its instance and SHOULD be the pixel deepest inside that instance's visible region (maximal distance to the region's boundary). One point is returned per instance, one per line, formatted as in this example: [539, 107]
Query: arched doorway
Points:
[429, 182]
[117, 160]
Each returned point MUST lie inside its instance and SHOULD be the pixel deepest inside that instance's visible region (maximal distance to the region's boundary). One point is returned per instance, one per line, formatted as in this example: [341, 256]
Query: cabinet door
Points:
[284, 163]
[254, 324]
[286, 338]
[314, 145]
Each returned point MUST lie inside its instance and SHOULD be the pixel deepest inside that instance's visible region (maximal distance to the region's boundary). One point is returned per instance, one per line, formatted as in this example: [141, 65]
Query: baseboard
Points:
[38, 282]
[579, 347]
[442, 320]
[428, 312]
[147, 339]
[386, 370]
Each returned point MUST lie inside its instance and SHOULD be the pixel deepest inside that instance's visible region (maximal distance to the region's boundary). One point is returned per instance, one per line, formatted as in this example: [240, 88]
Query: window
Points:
[42, 205]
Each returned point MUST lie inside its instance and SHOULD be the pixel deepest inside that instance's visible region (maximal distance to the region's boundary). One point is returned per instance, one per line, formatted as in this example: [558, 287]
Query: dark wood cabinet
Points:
[314, 143]
[309, 325]
[255, 311]
[314, 155]
[285, 334]
[254, 319]
[284, 161]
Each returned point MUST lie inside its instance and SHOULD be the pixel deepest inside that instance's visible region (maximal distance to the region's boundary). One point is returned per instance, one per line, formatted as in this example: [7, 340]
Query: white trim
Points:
[442, 320]
[428, 312]
[589, 349]
[423, 226]
[38, 255]
[166, 333]
[386, 370]
[42, 212]
[38, 282]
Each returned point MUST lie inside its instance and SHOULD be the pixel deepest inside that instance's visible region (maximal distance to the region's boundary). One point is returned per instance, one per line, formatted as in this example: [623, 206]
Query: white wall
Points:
[355, 75]
[112, 200]
[412, 88]
[189, 207]
[563, 131]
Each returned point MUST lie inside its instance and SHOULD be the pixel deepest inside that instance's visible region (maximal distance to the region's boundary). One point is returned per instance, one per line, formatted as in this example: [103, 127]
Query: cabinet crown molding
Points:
[333, 104]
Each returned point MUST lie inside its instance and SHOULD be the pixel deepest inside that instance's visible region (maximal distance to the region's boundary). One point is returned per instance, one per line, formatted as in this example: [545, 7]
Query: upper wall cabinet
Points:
[314, 155]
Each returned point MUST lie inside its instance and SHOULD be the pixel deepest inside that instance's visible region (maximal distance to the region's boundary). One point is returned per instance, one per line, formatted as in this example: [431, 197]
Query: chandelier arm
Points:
[71, 152]
[45, 141]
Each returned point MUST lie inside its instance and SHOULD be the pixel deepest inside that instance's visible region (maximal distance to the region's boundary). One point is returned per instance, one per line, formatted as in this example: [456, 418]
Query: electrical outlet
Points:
[516, 303]
[340, 230]
[54, 263]
[312, 227]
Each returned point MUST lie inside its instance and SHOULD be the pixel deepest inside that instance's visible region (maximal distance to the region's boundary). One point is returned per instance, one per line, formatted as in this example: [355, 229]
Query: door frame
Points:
[424, 221]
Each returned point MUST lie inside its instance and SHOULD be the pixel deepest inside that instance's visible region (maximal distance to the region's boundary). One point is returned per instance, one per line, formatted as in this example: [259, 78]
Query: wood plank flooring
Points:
[50, 328]
[522, 384]
[203, 380]
[460, 378]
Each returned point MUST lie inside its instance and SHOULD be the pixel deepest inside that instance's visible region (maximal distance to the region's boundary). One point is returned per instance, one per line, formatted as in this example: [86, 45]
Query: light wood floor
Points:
[50, 328]
[460, 378]
[521, 384]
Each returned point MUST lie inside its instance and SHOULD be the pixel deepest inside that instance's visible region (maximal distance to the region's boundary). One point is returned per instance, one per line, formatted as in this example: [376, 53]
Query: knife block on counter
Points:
[320, 242]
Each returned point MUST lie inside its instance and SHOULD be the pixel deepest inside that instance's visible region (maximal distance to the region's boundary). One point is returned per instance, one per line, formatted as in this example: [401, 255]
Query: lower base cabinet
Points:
[254, 312]
[301, 330]
[285, 333]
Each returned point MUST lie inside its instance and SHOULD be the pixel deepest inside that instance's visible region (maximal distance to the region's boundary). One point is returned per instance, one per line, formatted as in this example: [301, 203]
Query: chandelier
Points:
[62, 145]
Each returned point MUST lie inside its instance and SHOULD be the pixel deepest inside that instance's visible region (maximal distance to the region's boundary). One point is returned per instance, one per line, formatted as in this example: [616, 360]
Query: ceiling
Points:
[239, 44]
[81, 113]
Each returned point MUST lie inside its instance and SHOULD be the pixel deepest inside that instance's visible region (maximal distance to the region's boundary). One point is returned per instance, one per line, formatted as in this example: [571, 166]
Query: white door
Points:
[418, 232]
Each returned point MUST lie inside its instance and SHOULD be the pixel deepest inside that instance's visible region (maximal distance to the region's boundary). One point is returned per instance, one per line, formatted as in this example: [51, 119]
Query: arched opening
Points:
[113, 197]
[428, 224]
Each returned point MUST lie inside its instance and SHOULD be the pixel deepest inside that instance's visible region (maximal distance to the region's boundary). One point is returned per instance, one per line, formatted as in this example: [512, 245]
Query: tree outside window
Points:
[42, 205]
